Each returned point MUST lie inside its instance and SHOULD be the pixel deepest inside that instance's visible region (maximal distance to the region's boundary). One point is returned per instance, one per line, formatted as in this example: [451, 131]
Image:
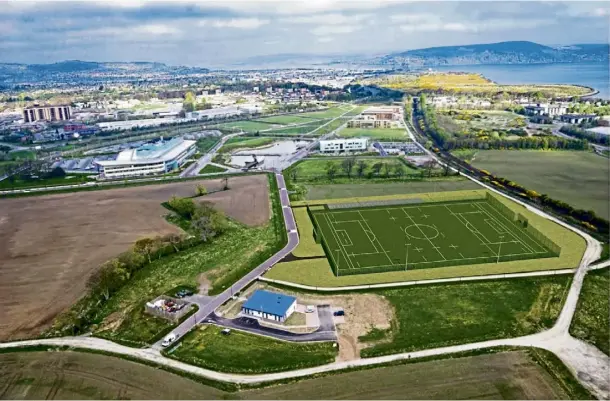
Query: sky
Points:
[209, 33]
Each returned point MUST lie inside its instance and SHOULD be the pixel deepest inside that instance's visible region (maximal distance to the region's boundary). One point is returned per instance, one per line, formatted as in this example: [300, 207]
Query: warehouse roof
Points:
[269, 302]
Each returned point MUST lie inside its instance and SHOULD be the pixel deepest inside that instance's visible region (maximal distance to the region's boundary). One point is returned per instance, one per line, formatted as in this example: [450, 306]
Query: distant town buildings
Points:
[344, 145]
[378, 117]
[578, 118]
[152, 158]
[47, 113]
[541, 109]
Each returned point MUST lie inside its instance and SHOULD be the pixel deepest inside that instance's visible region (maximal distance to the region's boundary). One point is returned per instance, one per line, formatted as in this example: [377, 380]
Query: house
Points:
[344, 145]
[269, 305]
[578, 118]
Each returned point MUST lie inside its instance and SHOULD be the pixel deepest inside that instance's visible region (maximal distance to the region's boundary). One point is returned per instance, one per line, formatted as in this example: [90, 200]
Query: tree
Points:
[294, 174]
[348, 165]
[208, 222]
[185, 207]
[146, 247]
[377, 167]
[429, 166]
[57, 172]
[173, 239]
[387, 168]
[360, 167]
[331, 170]
[201, 190]
[446, 169]
[399, 170]
[108, 278]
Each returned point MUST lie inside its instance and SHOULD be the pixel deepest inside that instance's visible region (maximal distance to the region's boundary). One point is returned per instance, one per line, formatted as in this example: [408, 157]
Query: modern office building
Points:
[344, 145]
[152, 158]
[47, 113]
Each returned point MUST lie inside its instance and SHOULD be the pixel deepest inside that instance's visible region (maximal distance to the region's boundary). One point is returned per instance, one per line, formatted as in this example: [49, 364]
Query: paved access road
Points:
[326, 331]
[194, 168]
[293, 240]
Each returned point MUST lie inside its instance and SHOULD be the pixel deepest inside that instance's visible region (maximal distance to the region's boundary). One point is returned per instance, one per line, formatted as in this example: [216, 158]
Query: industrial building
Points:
[47, 113]
[269, 305]
[151, 158]
[344, 145]
[378, 117]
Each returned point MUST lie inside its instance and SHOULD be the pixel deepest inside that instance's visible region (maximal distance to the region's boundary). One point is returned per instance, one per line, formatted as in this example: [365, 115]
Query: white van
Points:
[170, 338]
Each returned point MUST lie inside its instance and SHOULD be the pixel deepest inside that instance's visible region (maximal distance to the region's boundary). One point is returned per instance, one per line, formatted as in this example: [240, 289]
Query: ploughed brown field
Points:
[49, 245]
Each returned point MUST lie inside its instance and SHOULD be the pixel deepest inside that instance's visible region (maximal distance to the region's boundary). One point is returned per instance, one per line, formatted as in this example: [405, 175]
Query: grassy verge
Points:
[247, 353]
[140, 328]
[241, 142]
[393, 134]
[592, 318]
[442, 315]
[275, 239]
[210, 168]
[552, 364]
[307, 245]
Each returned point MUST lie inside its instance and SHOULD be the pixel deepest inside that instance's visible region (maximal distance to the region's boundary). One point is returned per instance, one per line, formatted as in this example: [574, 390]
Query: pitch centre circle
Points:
[421, 231]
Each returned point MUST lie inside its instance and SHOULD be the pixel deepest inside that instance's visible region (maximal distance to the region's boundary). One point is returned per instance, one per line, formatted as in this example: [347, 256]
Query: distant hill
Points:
[516, 52]
[78, 71]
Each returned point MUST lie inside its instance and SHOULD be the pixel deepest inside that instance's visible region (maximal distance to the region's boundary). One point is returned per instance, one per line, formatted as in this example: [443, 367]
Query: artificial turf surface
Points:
[420, 236]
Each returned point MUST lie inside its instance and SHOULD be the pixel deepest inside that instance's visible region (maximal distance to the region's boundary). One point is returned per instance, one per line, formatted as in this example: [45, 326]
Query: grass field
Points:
[363, 188]
[395, 134]
[577, 178]
[287, 119]
[248, 126]
[210, 168]
[241, 142]
[45, 182]
[329, 113]
[248, 353]
[504, 375]
[206, 143]
[421, 236]
[315, 169]
[330, 127]
[317, 272]
[471, 83]
[592, 318]
[298, 130]
[447, 314]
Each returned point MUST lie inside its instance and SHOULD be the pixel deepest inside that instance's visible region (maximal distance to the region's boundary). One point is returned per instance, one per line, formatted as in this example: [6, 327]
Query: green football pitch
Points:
[424, 235]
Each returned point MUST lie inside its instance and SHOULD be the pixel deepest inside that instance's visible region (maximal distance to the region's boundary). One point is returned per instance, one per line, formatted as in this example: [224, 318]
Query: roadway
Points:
[194, 168]
[293, 240]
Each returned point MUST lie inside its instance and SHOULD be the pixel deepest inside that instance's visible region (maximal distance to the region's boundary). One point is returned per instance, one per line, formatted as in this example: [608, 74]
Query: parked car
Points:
[184, 293]
[339, 313]
[310, 309]
[226, 332]
[170, 338]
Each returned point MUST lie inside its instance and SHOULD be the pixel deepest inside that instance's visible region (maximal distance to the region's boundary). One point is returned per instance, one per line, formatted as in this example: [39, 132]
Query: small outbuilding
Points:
[269, 305]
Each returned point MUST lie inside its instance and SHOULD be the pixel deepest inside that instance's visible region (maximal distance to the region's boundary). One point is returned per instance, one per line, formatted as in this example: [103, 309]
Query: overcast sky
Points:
[216, 33]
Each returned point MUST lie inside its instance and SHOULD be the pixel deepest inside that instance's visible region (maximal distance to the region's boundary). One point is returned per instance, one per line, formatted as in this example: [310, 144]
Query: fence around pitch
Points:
[544, 240]
[429, 265]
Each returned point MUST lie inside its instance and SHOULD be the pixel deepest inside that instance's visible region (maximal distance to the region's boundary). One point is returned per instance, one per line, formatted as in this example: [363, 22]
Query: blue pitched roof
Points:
[269, 302]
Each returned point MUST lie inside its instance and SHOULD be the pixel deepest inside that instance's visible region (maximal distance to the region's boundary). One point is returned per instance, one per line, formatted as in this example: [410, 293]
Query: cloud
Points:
[327, 19]
[325, 30]
[237, 23]
[325, 39]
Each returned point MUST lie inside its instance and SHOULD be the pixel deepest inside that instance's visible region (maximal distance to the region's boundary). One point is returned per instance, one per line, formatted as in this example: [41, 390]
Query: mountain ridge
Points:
[509, 52]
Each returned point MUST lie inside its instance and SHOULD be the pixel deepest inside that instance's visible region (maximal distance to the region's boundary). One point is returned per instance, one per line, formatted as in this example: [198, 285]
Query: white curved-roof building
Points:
[151, 158]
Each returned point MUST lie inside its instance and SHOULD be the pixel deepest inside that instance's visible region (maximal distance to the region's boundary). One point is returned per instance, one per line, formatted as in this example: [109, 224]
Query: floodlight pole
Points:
[500, 249]
[407, 258]
[337, 262]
